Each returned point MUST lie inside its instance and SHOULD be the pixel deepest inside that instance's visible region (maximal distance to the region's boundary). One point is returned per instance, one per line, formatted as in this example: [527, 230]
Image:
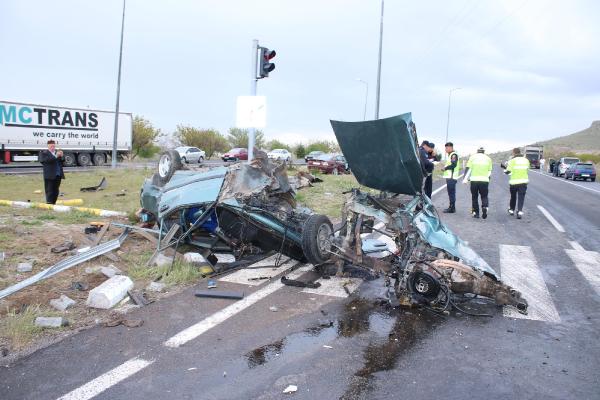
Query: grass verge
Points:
[19, 328]
[181, 273]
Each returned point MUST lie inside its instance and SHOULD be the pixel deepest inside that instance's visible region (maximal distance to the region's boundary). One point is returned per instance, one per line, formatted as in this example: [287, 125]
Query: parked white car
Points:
[280, 155]
[191, 154]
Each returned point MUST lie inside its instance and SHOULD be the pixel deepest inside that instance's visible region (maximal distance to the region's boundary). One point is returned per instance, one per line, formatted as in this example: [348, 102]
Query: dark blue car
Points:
[582, 171]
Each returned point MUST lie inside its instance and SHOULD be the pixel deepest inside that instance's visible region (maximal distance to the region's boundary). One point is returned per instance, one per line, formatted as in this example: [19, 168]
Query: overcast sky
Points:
[528, 69]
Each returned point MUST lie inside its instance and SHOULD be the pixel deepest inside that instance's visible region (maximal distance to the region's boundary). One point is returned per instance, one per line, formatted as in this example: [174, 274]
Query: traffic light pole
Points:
[253, 82]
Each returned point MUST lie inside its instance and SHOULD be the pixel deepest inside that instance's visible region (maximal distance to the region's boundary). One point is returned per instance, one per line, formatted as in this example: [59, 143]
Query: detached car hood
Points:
[383, 153]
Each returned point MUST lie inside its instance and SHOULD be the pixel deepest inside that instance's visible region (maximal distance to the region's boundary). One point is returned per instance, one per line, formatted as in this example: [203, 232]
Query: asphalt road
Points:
[334, 346]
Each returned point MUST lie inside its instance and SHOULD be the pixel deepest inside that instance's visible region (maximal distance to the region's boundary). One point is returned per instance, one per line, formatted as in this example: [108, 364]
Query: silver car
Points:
[190, 154]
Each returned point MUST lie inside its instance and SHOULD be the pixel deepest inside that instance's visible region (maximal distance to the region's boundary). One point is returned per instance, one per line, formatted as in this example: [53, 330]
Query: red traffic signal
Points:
[265, 65]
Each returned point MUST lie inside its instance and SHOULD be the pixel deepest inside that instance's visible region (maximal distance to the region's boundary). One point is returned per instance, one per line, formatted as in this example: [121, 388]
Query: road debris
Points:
[119, 320]
[51, 322]
[161, 260]
[195, 259]
[138, 298]
[101, 186]
[24, 267]
[61, 248]
[211, 284]
[156, 287]
[2, 256]
[110, 292]
[110, 271]
[290, 389]
[273, 309]
[62, 303]
[80, 286]
[327, 346]
[220, 294]
[297, 283]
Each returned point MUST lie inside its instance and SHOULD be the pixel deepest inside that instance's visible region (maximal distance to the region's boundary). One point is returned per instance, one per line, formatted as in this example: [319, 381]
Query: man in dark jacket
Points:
[425, 150]
[52, 161]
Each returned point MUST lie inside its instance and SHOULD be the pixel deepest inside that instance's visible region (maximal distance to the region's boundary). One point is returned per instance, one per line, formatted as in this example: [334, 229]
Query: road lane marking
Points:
[551, 219]
[436, 191]
[334, 287]
[576, 245]
[519, 269]
[249, 275]
[566, 181]
[588, 263]
[220, 316]
[106, 380]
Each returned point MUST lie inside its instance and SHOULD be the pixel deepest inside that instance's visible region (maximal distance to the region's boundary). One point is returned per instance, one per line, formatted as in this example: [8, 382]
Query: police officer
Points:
[518, 169]
[451, 172]
[478, 171]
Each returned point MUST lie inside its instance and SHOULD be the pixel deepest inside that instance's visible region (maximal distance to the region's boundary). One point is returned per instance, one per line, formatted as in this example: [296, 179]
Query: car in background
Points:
[280, 155]
[239, 153]
[190, 154]
[581, 170]
[312, 155]
[329, 164]
[561, 166]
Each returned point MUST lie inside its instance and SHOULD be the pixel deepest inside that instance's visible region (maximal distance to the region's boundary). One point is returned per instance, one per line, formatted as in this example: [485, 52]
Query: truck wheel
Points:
[84, 159]
[99, 158]
[69, 159]
[168, 163]
[316, 239]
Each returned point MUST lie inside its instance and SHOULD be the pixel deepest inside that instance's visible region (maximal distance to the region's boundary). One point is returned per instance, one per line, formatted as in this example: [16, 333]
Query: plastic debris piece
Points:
[290, 389]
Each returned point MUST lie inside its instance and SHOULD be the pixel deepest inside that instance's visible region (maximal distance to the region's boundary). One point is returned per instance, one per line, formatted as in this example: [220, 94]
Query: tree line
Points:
[145, 137]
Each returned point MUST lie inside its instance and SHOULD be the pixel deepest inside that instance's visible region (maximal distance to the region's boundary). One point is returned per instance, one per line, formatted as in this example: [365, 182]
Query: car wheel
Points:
[335, 171]
[98, 158]
[593, 180]
[69, 159]
[184, 160]
[84, 159]
[200, 160]
[316, 239]
[168, 163]
[234, 159]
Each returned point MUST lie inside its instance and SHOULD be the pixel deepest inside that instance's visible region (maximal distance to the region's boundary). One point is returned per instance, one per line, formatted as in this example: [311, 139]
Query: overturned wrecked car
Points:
[250, 209]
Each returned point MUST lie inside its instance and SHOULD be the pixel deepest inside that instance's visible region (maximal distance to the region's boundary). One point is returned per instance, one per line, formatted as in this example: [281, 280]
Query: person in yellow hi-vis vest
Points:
[518, 169]
[478, 171]
[451, 172]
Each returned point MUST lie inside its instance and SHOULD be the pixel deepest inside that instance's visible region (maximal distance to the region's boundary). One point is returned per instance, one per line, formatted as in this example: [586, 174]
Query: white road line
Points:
[248, 275]
[220, 316]
[436, 191]
[576, 245]
[588, 263]
[566, 181]
[106, 380]
[551, 219]
[334, 287]
[519, 269]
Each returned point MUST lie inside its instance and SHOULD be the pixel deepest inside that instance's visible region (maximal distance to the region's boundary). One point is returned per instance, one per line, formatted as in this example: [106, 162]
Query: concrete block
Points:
[110, 271]
[161, 260]
[92, 270]
[24, 267]
[155, 287]
[194, 258]
[62, 303]
[51, 322]
[110, 292]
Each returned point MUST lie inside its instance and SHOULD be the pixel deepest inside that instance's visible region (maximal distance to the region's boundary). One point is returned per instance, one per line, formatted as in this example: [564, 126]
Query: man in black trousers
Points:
[52, 162]
[425, 151]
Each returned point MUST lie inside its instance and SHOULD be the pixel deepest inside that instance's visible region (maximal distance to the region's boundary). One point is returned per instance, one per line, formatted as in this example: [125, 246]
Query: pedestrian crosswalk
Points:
[518, 267]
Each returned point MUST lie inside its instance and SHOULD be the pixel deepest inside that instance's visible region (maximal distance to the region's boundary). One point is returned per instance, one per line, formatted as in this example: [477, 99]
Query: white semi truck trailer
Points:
[85, 136]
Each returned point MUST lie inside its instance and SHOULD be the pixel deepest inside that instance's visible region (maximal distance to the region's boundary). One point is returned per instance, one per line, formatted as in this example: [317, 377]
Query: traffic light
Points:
[264, 62]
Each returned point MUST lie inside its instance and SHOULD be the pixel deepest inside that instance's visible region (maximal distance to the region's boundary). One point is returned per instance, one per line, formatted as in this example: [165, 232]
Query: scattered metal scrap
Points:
[101, 186]
[67, 263]
[220, 294]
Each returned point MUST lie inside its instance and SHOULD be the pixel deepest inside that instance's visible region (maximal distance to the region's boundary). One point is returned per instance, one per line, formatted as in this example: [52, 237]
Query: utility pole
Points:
[378, 90]
[114, 149]
[253, 82]
[366, 96]
[448, 119]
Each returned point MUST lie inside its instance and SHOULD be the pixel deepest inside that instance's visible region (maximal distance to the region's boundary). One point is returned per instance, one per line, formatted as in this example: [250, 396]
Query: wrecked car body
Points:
[424, 262]
[250, 209]
[246, 209]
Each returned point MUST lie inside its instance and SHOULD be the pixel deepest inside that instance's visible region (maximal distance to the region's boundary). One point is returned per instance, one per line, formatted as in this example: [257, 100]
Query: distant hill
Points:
[586, 142]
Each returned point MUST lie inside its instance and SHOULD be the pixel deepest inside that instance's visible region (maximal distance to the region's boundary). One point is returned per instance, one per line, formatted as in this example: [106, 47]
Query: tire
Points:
[316, 239]
[184, 160]
[200, 160]
[70, 159]
[99, 158]
[168, 163]
[593, 180]
[84, 159]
